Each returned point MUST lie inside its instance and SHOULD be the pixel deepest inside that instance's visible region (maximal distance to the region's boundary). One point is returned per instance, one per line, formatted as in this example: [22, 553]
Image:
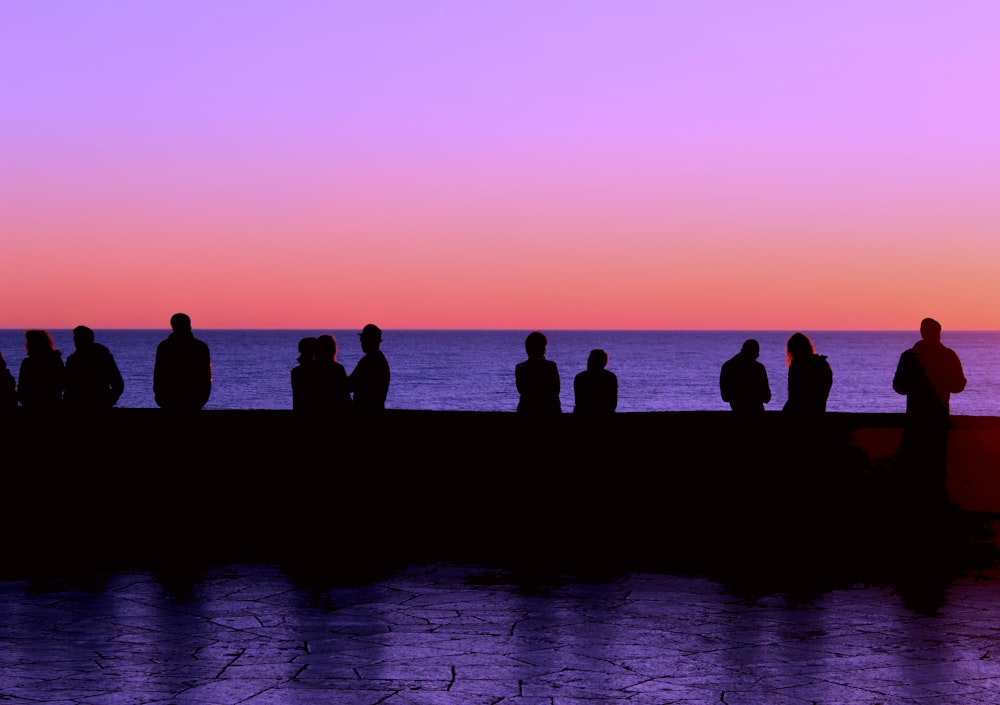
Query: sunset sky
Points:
[516, 164]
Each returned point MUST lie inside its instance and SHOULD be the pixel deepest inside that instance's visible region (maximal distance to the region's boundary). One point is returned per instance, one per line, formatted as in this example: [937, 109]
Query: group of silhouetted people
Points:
[322, 386]
[88, 380]
[744, 384]
[928, 373]
[595, 389]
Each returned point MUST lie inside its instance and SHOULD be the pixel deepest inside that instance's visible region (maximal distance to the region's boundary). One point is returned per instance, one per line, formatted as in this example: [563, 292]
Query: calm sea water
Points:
[474, 370]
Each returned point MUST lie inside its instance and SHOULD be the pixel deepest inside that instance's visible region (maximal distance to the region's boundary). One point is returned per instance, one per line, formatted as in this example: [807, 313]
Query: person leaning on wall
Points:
[537, 379]
[595, 389]
[182, 371]
[93, 380]
[928, 374]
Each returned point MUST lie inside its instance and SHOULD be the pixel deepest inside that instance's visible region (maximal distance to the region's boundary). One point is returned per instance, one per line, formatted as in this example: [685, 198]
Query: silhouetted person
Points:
[743, 380]
[8, 388]
[369, 381]
[810, 378]
[537, 379]
[302, 387]
[928, 374]
[93, 380]
[595, 390]
[42, 375]
[331, 388]
[182, 373]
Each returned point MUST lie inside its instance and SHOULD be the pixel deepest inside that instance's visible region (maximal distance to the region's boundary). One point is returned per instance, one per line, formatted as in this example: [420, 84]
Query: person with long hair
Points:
[810, 377]
[331, 392]
[42, 375]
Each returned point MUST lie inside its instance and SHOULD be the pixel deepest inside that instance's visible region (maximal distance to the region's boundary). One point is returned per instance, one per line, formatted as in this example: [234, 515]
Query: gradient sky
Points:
[520, 164]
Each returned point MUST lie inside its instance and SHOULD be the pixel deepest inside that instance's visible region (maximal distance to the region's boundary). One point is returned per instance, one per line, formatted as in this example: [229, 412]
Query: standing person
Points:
[331, 389]
[928, 374]
[42, 374]
[537, 379]
[302, 386]
[743, 380]
[8, 388]
[93, 380]
[595, 390]
[369, 381]
[182, 372]
[810, 378]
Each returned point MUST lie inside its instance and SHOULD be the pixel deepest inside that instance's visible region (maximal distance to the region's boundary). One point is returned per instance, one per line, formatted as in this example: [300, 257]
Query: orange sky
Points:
[649, 166]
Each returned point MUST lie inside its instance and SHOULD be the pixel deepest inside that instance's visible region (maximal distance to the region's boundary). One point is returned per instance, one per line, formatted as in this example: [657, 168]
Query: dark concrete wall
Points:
[138, 483]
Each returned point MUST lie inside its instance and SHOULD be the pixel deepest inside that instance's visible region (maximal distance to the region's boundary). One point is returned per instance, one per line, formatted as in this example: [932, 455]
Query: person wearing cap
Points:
[369, 381]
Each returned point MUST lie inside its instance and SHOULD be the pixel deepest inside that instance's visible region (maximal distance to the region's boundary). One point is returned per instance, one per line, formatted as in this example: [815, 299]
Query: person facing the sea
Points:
[8, 388]
[369, 381]
[810, 378]
[182, 371]
[301, 383]
[595, 390]
[743, 380]
[928, 374]
[93, 380]
[42, 375]
[331, 392]
[537, 379]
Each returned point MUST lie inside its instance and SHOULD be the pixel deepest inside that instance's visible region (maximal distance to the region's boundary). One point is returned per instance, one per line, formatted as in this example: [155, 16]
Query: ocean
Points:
[473, 370]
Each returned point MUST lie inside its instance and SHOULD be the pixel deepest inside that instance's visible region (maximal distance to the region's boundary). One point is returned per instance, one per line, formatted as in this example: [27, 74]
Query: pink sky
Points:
[640, 164]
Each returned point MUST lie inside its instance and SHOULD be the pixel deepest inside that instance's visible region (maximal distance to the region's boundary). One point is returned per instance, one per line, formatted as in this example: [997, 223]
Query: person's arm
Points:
[116, 381]
[902, 381]
[763, 384]
[206, 390]
[724, 389]
[958, 380]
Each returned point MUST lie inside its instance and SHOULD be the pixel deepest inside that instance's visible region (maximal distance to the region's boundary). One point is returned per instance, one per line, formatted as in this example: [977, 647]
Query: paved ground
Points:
[260, 634]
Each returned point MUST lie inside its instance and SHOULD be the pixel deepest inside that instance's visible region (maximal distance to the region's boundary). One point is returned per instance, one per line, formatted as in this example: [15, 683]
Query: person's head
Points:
[535, 344]
[597, 360]
[799, 345]
[930, 330]
[326, 347]
[38, 341]
[307, 346]
[3, 362]
[371, 337]
[82, 336]
[180, 323]
[751, 348]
